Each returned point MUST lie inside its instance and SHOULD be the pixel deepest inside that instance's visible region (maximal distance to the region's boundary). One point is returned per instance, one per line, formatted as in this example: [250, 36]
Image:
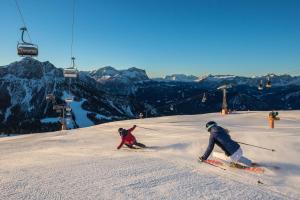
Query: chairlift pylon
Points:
[26, 49]
[224, 88]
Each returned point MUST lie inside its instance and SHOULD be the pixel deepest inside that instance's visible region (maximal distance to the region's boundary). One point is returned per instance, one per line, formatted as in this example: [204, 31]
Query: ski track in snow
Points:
[80, 114]
[84, 163]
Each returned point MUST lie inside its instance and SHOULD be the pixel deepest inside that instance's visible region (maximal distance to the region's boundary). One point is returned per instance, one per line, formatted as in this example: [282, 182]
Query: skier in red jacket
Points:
[128, 139]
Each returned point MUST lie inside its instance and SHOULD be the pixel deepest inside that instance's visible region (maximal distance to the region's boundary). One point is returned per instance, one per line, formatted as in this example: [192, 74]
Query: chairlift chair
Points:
[268, 84]
[260, 86]
[171, 107]
[26, 49]
[50, 97]
[68, 114]
[204, 98]
[71, 72]
[68, 109]
[69, 99]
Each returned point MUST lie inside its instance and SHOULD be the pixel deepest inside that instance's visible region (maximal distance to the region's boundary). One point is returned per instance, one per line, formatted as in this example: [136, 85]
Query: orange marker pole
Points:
[224, 112]
[271, 122]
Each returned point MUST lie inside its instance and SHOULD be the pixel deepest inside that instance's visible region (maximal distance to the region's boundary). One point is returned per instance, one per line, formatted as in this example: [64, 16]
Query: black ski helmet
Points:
[210, 124]
[123, 132]
[120, 130]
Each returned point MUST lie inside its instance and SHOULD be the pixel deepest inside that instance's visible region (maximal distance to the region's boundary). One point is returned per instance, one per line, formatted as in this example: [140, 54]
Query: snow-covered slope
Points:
[84, 163]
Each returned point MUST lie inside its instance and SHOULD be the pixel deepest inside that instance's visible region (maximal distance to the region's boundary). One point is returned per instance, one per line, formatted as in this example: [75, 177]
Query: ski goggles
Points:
[210, 126]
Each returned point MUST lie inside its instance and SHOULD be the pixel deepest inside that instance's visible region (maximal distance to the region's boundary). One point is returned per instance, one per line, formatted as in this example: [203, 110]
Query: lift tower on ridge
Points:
[224, 88]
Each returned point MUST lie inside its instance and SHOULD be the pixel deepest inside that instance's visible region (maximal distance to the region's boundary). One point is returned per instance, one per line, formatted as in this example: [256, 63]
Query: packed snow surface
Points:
[85, 164]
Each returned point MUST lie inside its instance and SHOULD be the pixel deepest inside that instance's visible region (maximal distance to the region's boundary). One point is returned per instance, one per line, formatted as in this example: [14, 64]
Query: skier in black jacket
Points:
[221, 137]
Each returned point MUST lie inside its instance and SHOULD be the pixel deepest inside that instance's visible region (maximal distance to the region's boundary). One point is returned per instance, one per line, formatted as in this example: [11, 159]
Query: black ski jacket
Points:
[220, 136]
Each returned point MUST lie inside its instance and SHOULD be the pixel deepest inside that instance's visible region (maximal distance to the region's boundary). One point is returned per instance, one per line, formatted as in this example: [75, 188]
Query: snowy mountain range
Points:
[108, 94]
[111, 74]
[118, 81]
[178, 77]
[277, 80]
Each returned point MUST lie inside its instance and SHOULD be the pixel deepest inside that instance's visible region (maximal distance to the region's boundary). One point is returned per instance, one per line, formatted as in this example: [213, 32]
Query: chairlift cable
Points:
[69, 84]
[70, 72]
[72, 43]
[72, 29]
[46, 87]
[22, 18]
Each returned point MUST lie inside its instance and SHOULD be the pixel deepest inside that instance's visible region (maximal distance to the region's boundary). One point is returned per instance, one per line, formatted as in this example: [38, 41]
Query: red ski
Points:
[233, 165]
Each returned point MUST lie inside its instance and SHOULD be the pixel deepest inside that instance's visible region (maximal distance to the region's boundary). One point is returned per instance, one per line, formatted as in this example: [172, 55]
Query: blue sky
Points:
[245, 37]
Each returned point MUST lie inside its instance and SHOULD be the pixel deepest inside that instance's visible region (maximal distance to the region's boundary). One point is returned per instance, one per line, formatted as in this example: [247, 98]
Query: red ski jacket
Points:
[128, 138]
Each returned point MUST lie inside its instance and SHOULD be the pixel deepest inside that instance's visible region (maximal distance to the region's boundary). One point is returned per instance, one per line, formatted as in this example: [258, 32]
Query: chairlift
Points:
[71, 72]
[171, 107]
[268, 84]
[68, 109]
[69, 99]
[50, 97]
[68, 114]
[204, 98]
[260, 86]
[25, 48]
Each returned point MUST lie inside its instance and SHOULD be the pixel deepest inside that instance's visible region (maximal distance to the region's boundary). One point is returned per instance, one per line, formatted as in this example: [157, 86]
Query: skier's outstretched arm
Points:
[209, 148]
[121, 144]
[131, 129]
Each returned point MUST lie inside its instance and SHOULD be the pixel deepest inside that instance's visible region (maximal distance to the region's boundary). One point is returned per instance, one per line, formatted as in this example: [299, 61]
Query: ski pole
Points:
[146, 128]
[213, 165]
[256, 146]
